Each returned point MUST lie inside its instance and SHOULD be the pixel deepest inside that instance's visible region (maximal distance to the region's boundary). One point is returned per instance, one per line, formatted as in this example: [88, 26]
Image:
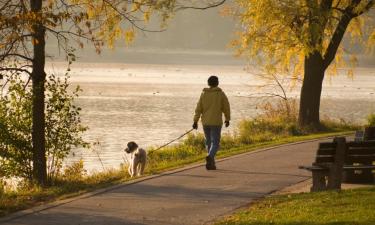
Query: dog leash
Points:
[175, 139]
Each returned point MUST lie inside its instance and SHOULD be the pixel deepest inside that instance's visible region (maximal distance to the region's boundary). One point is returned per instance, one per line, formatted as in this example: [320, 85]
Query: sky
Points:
[192, 37]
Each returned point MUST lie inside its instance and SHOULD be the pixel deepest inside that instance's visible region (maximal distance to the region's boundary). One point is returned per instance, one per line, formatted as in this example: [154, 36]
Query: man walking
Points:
[211, 105]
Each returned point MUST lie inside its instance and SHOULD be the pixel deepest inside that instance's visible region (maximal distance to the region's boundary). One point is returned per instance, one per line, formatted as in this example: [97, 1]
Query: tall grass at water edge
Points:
[278, 122]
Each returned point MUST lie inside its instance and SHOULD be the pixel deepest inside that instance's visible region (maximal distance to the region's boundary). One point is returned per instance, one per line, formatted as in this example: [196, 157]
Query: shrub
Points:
[15, 126]
[328, 124]
[277, 120]
[63, 123]
[371, 120]
[2, 187]
[75, 171]
[283, 110]
[195, 141]
[63, 126]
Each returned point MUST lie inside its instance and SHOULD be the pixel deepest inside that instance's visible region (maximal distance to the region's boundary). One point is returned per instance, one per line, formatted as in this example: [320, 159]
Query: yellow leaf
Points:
[146, 16]
[34, 41]
[136, 6]
[350, 73]
[129, 36]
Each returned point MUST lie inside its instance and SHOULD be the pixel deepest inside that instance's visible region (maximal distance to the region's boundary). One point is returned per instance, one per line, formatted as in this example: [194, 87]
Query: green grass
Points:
[262, 132]
[187, 152]
[160, 161]
[371, 119]
[349, 207]
[30, 196]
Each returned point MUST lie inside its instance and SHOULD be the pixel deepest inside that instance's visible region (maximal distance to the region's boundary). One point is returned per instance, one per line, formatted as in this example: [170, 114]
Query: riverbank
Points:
[77, 183]
[184, 196]
[114, 94]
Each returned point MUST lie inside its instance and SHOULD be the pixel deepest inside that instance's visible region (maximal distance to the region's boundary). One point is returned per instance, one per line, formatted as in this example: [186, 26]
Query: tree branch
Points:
[337, 36]
[201, 8]
[130, 20]
[15, 69]
[2, 57]
[369, 5]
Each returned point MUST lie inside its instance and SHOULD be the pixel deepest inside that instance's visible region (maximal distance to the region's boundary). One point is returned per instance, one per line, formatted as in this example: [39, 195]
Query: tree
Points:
[25, 26]
[301, 38]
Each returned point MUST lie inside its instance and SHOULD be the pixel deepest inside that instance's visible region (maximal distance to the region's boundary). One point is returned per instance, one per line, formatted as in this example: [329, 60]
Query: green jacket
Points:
[212, 103]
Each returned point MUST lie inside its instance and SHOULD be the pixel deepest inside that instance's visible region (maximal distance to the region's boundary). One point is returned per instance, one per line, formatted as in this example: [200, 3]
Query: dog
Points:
[138, 159]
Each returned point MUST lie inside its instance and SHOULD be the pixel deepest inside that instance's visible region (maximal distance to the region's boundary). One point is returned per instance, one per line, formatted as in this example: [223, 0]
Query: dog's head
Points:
[132, 146]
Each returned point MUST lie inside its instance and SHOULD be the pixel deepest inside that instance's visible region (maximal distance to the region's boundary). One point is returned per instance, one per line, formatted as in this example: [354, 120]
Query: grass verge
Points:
[160, 161]
[277, 126]
[349, 207]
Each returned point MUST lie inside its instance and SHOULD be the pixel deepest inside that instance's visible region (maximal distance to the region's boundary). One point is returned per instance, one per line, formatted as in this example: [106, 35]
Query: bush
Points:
[63, 126]
[195, 141]
[63, 123]
[371, 120]
[337, 125]
[75, 171]
[15, 126]
[277, 120]
[2, 187]
[283, 110]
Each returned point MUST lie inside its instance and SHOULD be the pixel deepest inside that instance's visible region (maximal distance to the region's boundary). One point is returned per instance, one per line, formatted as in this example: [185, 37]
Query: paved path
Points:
[186, 196]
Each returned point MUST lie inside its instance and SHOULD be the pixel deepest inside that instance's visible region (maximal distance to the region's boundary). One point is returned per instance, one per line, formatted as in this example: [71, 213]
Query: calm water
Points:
[153, 104]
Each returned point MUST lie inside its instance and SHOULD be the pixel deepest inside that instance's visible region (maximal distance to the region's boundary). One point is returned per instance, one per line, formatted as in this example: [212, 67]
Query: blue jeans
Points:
[212, 135]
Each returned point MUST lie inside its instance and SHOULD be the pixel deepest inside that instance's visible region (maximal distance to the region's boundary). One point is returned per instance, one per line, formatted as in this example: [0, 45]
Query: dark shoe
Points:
[213, 165]
[210, 163]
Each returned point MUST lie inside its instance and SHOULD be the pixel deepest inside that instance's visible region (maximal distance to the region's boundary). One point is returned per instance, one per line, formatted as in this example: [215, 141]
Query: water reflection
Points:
[154, 104]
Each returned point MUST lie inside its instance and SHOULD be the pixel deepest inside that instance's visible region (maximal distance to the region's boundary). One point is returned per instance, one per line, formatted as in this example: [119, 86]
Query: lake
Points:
[153, 104]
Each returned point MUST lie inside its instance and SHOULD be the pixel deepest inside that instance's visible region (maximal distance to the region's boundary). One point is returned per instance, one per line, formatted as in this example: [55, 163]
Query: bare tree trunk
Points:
[311, 91]
[38, 79]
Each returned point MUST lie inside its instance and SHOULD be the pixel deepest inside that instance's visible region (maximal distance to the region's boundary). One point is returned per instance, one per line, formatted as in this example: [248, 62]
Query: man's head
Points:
[213, 81]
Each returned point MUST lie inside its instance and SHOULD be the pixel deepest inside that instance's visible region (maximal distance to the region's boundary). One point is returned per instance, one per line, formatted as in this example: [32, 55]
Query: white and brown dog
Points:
[138, 159]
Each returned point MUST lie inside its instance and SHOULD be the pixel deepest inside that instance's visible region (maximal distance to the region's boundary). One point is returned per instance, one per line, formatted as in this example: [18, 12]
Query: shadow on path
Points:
[79, 218]
[146, 190]
[258, 173]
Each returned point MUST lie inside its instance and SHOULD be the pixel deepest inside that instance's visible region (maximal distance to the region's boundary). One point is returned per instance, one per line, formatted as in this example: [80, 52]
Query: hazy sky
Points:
[192, 37]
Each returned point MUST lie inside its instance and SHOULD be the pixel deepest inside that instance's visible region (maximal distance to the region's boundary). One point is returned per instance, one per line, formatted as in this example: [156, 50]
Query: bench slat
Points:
[312, 168]
[364, 144]
[368, 159]
[331, 145]
[324, 159]
[361, 151]
[346, 167]
[358, 167]
[325, 151]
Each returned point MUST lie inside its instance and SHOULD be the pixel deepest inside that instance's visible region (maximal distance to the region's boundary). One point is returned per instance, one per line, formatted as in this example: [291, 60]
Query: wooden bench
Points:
[340, 161]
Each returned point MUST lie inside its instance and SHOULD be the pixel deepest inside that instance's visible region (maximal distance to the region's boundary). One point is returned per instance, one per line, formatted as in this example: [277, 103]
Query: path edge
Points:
[57, 203]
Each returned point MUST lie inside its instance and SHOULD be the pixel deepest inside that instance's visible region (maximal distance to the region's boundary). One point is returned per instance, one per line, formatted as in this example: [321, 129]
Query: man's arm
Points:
[226, 108]
[198, 110]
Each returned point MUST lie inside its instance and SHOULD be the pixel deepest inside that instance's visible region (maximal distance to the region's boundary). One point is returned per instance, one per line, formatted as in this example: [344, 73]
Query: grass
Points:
[160, 161]
[29, 196]
[183, 154]
[371, 119]
[349, 207]
[264, 131]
